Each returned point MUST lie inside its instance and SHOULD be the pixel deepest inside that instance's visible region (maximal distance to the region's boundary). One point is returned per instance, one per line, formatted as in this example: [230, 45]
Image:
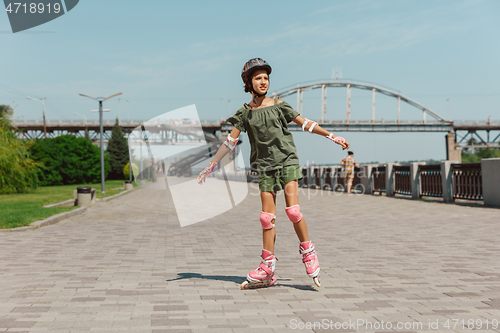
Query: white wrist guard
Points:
[337, 139]
[312, 125]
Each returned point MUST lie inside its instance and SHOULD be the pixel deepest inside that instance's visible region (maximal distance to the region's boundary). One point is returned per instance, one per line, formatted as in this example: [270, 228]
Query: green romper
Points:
[273, 152]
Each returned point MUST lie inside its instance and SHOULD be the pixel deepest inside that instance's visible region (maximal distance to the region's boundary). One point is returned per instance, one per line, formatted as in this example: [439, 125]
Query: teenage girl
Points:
[274, 156]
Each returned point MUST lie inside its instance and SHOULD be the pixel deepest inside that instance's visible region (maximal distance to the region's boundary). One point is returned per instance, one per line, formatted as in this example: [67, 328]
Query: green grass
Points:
[19, 210]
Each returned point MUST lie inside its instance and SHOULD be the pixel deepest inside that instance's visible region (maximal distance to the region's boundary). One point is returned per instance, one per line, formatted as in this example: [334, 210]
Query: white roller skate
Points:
[310, 260]
[262, 276]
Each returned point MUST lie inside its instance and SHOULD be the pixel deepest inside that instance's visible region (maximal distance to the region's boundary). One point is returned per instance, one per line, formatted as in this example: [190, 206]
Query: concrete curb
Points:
[48, 221]
[59, 203]
[59, 217]
[114, 196]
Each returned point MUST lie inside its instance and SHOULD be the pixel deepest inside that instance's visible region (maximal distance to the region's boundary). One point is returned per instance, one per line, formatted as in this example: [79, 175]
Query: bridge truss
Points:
[486, 134]
[156, 133]
[349, 84]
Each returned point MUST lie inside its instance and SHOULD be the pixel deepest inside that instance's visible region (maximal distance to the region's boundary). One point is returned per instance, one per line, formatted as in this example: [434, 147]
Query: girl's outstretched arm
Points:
[226, 147]
[313, 127]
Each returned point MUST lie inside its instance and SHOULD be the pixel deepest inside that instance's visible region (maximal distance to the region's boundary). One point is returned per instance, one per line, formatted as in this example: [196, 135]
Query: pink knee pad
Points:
[266, 220]
[294, 213]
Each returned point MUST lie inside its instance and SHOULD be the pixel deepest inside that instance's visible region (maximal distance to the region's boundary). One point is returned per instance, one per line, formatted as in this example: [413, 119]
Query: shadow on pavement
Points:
[235, 279]
[184, 276]
[297, 286]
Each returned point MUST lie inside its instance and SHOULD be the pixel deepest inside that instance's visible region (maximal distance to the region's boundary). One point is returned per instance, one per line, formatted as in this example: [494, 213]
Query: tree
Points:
[118, 152]
[69, 160]
[477, 153]
[18, 172]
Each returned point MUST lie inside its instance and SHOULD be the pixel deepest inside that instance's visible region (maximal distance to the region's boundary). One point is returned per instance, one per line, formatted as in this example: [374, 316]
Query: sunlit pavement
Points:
[127, 266]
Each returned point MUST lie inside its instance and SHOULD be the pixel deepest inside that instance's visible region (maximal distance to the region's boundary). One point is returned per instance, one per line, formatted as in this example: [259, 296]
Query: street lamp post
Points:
[100, 100]
[41, 100]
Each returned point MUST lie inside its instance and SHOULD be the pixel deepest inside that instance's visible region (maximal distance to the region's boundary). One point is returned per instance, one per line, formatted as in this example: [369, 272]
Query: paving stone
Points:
[127, 266]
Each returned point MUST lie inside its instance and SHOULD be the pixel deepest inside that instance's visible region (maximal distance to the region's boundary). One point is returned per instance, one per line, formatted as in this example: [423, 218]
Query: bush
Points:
[475, 157]
[135, 171]
[68, 160]
[18, 172]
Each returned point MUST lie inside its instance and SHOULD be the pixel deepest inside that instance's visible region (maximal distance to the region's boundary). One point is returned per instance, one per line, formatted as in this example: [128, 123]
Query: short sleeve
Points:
[288, 111]
[238, 119]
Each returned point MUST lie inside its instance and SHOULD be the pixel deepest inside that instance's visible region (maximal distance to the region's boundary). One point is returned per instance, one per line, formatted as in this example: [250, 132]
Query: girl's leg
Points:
[306, 247]
[269, 206]
[263, 276]
[291, 190]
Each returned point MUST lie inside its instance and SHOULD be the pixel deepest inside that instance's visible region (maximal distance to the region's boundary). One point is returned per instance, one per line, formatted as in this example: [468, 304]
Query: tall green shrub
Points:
[68, 160]
[118, 152]
[18, 172]
[480, 153]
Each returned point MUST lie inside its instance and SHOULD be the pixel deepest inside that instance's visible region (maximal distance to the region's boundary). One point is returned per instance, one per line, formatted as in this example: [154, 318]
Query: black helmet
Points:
[253, 64]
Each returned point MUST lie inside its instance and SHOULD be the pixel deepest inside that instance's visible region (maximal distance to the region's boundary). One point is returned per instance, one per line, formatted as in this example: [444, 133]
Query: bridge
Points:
[459, 134]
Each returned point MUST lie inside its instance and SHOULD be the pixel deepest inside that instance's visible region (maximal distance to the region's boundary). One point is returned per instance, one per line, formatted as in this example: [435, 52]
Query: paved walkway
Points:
[127, 266]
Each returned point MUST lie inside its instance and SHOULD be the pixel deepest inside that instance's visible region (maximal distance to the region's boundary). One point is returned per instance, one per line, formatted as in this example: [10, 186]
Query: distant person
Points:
[348, 163]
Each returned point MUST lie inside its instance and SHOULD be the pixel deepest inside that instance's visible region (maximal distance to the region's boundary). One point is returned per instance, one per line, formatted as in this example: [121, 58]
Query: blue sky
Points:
[164, 55]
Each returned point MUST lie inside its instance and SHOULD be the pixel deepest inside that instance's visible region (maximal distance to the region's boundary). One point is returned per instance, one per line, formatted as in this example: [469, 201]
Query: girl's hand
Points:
[205, 173]
[339, 140]
[345, 145]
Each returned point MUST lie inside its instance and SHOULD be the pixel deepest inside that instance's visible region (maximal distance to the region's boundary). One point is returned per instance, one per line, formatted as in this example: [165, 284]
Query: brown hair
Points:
[248, 83]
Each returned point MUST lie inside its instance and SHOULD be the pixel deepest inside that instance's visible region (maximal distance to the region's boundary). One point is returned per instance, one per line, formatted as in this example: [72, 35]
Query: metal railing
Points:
[252, 176]
[91, 122]
[477, 122]
[464, 181]
[341, 183]
[304, 182]
[339, 179]
[430, 180]
[317, 178]
[402, 181]
[467, 181]
[378, 174]
[329, 178]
